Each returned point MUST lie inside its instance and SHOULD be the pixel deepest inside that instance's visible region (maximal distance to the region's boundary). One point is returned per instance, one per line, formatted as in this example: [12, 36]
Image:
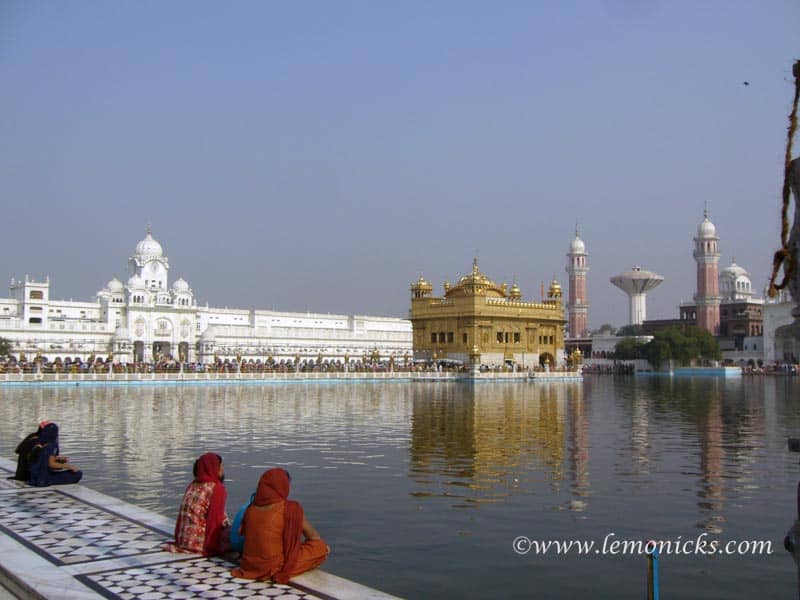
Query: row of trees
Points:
[681, 343]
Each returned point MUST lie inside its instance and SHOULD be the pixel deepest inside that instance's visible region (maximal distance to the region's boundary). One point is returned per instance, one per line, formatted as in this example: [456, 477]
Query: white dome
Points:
[706, 229]
[734, 271]
[577, 246]
[135, 283]
[115, 286]
[180, 285]
[149, 247]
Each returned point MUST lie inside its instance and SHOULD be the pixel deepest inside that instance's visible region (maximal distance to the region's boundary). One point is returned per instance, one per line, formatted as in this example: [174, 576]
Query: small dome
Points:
[115, 286]
[180, 285]
[135, 283]
[734, 271]
[515, 293]
[555, 289]
[706, 229]
[422, 284]
[577, 246]
[149, 247]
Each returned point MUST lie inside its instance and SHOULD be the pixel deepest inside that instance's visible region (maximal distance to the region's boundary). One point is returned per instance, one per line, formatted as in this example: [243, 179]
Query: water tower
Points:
[636, 283]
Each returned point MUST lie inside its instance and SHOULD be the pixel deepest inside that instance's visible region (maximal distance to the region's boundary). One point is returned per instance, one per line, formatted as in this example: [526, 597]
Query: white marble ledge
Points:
[126, 562]
[36, 573]
[36, 577]
[120, 507]
[338, 587]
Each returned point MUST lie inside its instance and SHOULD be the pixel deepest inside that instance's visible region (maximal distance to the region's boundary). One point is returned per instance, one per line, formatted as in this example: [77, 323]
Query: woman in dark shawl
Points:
[23, 452]
[272, 529]
[46, 466]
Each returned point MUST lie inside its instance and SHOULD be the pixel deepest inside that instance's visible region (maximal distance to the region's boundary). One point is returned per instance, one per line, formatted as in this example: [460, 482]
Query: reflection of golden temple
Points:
[476, 312]
[488, 439]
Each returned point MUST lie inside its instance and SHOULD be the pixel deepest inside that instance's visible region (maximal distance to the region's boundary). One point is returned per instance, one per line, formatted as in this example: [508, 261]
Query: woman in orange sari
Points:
[272, 527]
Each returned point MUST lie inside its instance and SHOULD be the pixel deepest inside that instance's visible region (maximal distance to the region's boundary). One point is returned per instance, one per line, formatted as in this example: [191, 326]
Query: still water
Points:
[420, 488]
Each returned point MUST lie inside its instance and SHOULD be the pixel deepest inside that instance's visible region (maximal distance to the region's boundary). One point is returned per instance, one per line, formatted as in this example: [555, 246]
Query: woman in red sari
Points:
[272, 528]
[202, 524]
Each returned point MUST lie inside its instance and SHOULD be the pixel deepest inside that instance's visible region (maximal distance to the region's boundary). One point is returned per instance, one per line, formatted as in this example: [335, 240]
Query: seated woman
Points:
[23, 452]
[272, 526]
[202, 524]
[46, 466]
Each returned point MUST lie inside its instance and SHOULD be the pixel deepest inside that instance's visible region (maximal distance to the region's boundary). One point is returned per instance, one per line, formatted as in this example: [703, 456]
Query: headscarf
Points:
[208, 472]
[273, 487]
[48, 434]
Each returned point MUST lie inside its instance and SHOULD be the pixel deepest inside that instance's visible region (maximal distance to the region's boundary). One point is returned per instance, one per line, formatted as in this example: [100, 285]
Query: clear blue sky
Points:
[322, 155]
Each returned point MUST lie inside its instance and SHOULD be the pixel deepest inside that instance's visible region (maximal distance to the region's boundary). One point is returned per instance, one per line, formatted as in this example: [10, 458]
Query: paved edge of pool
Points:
[101, 540]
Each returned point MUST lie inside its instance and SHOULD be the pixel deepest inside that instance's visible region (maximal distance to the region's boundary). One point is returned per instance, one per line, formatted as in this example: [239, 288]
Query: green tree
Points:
[630, 349]
[683, 343]
[627, 330]
[658, 352]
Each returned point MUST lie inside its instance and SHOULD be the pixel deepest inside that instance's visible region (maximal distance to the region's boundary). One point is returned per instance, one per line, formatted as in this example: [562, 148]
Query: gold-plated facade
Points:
[478, 317]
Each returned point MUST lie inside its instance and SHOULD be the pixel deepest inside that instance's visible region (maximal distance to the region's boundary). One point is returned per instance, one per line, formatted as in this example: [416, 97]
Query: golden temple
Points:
[477, 319]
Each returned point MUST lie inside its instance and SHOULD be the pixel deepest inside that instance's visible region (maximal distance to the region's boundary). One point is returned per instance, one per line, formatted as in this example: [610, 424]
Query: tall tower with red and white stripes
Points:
[706, 255]
[577, 304]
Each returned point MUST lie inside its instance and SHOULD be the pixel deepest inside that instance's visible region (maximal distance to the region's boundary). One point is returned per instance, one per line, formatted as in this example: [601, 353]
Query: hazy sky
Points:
[322, 155]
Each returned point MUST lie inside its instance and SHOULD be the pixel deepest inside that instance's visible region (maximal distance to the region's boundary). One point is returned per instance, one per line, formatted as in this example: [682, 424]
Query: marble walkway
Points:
[73, 543]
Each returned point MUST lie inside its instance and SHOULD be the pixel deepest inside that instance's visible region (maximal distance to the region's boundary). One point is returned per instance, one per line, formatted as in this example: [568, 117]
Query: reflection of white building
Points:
[147, 318]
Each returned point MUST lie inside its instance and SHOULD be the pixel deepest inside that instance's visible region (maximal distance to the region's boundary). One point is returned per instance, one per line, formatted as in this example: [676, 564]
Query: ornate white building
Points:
[146, 318]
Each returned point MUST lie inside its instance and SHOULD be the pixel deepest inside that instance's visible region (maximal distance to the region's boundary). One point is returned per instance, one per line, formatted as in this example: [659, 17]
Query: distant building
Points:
[706, 255]
[724, 302]
[147, 319]
[477, 315]
[778, 314]
[578, 300]
[636, 283]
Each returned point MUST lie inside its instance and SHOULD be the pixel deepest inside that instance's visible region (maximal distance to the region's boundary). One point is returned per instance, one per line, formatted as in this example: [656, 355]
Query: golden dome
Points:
[515, 293]
[474, 284]
[555, 290]
[421, 284]
[421, 288]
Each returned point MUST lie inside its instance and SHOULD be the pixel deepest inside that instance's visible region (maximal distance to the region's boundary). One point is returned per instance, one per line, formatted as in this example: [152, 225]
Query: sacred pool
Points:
[421, 489]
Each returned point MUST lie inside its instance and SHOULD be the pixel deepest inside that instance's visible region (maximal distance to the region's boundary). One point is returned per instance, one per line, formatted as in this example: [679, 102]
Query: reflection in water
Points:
[578, 447]
[480, 443]
[627, 455]
[712, 455]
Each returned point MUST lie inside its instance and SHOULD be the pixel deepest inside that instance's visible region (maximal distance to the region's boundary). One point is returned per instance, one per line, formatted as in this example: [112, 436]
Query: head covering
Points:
[207, 468]
[274, 487]
[49, 434]
[43, 424]
[207, 471]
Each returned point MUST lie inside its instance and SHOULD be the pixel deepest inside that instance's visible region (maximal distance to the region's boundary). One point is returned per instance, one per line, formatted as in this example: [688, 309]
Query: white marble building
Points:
[777, 314]
[146, 318]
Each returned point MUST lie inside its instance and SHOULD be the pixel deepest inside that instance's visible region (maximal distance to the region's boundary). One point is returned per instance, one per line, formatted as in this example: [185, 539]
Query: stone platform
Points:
[73, 543]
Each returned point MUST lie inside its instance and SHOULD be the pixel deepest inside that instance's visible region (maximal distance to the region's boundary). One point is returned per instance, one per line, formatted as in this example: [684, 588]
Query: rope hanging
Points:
[783, 257]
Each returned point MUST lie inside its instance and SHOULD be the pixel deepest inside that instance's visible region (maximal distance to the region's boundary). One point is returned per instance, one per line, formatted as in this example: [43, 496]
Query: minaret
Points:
[577, 304]
[706, 254]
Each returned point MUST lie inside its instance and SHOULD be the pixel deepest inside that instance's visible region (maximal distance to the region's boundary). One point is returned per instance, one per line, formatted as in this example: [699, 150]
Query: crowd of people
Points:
[167, 364]
[270, 537]
[228, 365]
